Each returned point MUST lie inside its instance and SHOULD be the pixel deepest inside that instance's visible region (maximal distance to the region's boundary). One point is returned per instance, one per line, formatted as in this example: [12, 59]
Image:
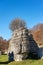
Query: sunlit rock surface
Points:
[21, 44]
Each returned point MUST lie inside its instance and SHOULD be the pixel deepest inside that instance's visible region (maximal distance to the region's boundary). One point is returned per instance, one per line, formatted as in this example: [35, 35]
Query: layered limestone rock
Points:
[20, 44]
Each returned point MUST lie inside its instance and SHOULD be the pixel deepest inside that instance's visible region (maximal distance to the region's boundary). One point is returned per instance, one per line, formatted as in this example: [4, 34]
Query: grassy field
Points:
[28, 62]
[4, 61]
[3, 58]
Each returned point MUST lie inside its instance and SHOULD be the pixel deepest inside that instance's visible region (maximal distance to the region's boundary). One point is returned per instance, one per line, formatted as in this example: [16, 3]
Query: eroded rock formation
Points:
[21, 44]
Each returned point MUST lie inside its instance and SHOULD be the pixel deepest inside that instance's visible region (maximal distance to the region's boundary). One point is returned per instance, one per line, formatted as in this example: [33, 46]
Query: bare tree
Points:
[17, 23]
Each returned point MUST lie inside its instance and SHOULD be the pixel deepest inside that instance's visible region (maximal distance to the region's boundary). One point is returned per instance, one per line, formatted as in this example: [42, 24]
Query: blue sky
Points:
[29, 10]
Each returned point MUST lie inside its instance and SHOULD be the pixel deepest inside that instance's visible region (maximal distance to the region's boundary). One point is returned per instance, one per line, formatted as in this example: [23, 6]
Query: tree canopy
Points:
[16, 24]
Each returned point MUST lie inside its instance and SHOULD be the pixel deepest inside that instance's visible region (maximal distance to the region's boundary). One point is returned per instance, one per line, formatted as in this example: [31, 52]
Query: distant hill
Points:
[37, 32]
[38, 27]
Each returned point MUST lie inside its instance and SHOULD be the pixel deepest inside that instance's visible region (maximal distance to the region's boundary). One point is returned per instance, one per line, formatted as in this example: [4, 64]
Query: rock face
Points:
[40, 52]
[21, 44]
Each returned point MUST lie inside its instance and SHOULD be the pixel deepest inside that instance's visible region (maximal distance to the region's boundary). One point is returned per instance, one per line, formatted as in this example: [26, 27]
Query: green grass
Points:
[4, 59]
[28, 62]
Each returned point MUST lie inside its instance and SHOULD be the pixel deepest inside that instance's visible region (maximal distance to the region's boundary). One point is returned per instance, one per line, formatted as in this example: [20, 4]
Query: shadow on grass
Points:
[5, 62]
